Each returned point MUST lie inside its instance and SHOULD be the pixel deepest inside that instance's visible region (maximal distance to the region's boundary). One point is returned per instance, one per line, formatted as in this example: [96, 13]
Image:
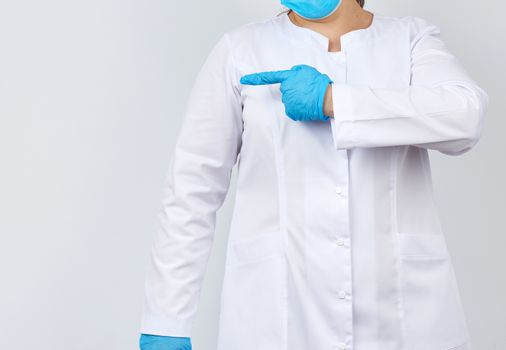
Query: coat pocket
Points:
[252, 311]
[433, 315]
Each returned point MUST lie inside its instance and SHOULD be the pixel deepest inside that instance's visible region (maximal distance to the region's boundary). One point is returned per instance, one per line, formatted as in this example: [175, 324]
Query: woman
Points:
[329, 111]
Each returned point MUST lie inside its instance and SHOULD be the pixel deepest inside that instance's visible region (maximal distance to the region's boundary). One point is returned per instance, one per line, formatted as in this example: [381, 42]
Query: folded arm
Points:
[442, 109]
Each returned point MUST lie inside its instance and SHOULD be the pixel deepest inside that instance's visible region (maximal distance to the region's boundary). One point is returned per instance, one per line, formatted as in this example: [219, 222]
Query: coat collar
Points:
[302, 36]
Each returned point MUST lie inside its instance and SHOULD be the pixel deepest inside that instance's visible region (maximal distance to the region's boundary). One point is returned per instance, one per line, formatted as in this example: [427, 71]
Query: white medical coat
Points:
[335, 241]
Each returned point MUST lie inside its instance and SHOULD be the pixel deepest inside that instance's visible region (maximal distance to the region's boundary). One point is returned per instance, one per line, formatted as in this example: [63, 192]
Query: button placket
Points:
[342, 242]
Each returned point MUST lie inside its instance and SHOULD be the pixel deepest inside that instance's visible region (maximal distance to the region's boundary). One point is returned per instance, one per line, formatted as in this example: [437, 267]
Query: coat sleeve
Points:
[441, 109]
[196, 185]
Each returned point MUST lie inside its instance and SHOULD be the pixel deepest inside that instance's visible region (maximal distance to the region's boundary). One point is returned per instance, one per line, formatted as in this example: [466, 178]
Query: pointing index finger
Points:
[266, 78]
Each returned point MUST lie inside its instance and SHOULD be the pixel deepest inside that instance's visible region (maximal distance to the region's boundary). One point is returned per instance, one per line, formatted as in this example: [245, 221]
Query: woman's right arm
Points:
[196, 185]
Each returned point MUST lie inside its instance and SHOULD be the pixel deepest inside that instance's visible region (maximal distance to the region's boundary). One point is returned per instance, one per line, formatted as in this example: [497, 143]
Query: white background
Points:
[91, 100]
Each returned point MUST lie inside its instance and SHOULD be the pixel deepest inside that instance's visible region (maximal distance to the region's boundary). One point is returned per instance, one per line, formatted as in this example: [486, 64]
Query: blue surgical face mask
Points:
[312, 9]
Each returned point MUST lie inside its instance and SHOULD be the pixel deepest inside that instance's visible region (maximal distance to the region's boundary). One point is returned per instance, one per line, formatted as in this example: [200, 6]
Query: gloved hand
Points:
[303, 90]
[160, 342]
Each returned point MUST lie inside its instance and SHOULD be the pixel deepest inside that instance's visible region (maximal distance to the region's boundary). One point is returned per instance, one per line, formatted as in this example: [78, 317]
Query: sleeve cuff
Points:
[342, 124]
[163, 325]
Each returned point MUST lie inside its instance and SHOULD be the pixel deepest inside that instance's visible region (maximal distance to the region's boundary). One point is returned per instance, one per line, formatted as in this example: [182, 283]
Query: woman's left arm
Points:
[442, 109]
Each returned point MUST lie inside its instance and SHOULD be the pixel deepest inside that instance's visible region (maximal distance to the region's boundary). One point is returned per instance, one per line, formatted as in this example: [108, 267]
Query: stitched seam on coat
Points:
[456, 347]
[275, 127]
[394, 160]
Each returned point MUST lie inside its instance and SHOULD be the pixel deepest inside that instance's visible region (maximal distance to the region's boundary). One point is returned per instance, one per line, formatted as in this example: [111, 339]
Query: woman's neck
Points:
[348, 17]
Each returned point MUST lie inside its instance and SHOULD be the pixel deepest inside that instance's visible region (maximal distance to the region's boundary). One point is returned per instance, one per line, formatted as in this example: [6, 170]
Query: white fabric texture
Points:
[335, 241]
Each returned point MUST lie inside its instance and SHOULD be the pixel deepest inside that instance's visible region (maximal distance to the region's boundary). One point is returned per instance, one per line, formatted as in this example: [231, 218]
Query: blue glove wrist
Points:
[160, 342]
[321, 100]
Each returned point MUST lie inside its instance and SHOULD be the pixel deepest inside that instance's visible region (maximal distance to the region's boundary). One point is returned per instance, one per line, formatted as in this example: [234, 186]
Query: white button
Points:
[340, 242]
[342, 346]
[342, 294]
[338, 190]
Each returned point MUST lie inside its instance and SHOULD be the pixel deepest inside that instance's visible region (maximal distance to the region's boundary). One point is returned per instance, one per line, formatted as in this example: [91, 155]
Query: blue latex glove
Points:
[303, 88]
[161, 342]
